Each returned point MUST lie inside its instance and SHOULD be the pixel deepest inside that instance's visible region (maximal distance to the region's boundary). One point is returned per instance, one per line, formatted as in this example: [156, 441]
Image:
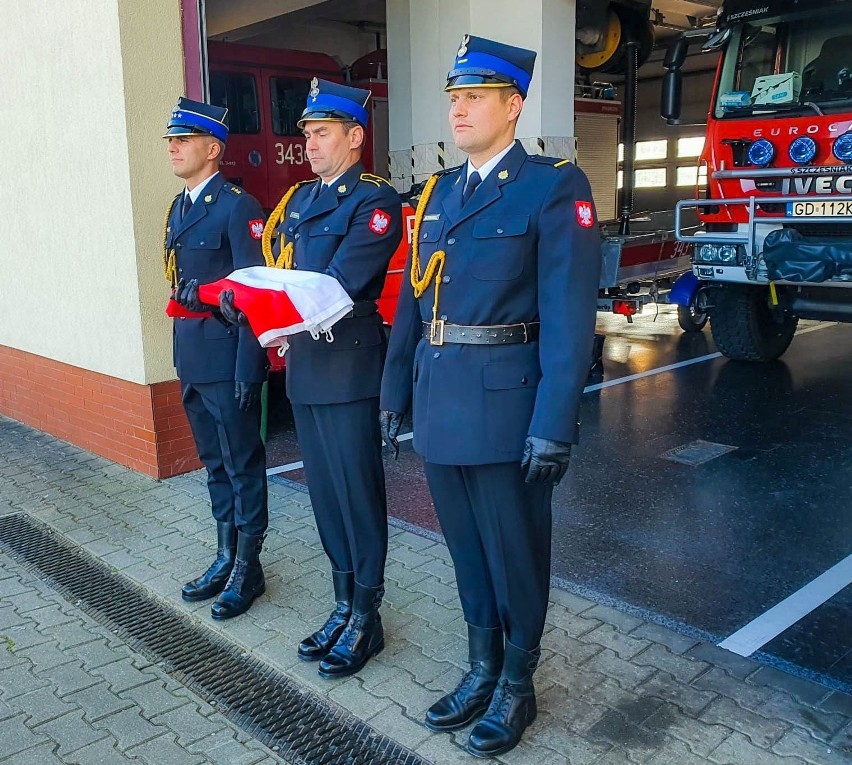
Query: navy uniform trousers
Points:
[523, 249]
[219, 235]
[349, 231]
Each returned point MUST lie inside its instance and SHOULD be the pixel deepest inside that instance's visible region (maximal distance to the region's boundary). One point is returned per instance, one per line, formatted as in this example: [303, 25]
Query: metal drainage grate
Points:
[697, 452]
[294, 723]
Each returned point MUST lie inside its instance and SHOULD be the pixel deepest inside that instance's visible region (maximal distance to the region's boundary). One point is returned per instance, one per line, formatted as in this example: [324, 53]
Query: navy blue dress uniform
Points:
[490, 350]
[349, 230]
[205, 240]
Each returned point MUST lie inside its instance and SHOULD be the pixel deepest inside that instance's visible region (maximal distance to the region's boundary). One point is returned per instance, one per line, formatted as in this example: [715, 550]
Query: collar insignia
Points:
[341, 189]
[503, 175]
[208, 198]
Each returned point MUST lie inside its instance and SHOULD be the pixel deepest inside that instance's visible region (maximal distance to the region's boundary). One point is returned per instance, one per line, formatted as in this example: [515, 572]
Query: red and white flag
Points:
[279, 302]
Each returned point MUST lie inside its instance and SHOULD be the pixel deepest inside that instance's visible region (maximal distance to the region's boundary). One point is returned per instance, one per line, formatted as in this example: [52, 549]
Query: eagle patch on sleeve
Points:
[379, 221]
[585, 216]
[256, 228]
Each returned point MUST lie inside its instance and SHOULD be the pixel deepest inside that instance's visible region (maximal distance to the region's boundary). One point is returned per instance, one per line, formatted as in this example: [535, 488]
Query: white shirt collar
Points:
[196, 192]
[489, 165]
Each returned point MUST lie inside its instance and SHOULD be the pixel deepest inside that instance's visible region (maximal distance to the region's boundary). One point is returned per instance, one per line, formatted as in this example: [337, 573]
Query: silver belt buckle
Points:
[436, 332]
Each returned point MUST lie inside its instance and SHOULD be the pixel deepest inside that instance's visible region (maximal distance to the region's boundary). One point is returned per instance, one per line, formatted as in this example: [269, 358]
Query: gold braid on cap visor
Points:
[435, 267]
[285, 258]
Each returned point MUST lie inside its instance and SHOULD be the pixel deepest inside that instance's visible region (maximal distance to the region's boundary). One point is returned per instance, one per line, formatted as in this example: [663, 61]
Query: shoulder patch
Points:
[233, 189]
[375, 179]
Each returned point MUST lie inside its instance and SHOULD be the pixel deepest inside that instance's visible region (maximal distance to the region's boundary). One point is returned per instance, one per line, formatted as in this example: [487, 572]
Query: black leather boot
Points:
[362, 638]
[213, 581]
[314, 647]
[246, 581]
[512, 708]
[473, 694]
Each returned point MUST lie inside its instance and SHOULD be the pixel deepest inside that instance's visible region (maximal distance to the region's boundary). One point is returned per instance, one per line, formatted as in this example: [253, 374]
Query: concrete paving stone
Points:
[53, 615]
[624, 622]
[121, 559]
[398, 597]
[526, 753]
[797, 743]
[18, 680]
[677, 754]
[220, 738]
[424, 669]
[750, 696]
[701, 737]
[443, 594]
[394, 723]
[625, 646]
[573, 624]
[122, 675]
[626, 674]
[82, 535]
[640, 743]
[129, 728]
[68, 678]
[614, 756]
[843, 739]
[244, 631]
[434, 643]
[9, 617]
[558, 641]
[437, 568]
[70, 732]
[29, 599]
[98, 652]
[351, 696]
[189, 723]
[575, 714]
[301, 553]
[734, 665]
[761, 731]
[153, 698]
[682, 668]
[690, 700]
[576, 681]
[40, 706]
[404, 576]
[45, 656]
[405, 692]
[68, 636]
[806, 691]
[838, 702]
[141, 572]
[164, 750]
[821, 725]
[38, 755]
[98, 702]
[434, 614]
[443, 750]
[416, 542]
[548, 732]
[574, 603]
[738, 750]
[102, 752]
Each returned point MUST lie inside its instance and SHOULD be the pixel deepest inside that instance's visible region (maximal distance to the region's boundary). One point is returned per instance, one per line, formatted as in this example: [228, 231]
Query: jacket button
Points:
[325, 228]
[178, 245]
[297, 236]
[436, 355]
[357, 342]
[201, 244]
[499, 230]
[446, 280]
[180, 270]
[451, 241]
[425, 236]
[524, 380]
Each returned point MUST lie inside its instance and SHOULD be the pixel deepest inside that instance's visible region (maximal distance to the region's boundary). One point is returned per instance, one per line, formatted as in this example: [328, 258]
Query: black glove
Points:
[391, 424]
[230, 312]
[186, 294]
[247, 393]
[545, 461]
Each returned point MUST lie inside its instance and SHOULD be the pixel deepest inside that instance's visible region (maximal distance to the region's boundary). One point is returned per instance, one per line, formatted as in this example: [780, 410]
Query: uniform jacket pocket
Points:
[499, 247]
[504, 375]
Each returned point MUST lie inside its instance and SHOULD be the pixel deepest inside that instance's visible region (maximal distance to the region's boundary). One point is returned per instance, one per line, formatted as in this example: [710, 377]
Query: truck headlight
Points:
[727, 254]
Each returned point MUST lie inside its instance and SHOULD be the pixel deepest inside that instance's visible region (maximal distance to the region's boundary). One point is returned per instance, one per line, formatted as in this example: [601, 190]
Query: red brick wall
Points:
[140, 426]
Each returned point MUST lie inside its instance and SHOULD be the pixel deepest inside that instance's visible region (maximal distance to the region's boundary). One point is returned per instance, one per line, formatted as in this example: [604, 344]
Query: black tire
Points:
[745, 328]
[690, 319]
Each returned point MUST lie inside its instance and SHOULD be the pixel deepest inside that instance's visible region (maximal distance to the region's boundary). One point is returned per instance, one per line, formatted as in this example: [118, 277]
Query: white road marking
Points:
[785, 614]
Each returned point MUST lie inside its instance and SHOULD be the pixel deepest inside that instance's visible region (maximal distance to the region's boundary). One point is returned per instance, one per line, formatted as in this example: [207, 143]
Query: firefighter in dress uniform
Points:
[212, 228]
[347, 223]
[491, 341]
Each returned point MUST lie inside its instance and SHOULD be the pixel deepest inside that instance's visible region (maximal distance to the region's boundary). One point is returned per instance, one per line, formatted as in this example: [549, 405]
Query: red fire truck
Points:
[776, 239]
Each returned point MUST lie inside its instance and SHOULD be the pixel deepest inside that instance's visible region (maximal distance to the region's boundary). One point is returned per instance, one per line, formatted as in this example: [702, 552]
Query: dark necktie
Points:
[321, 187]
[473, 180]
[186, 206]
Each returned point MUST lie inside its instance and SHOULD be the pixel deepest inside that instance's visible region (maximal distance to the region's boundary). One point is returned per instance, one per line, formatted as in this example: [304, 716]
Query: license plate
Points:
[830, 209]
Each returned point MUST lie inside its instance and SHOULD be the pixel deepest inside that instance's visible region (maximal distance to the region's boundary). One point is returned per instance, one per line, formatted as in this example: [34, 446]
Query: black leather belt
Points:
[439, 332]
[362, 308]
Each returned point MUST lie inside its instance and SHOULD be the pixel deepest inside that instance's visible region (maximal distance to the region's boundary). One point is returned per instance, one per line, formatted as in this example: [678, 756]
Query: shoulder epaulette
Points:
[233, 189]
[449, 170]
[551, 161]
[376, 179]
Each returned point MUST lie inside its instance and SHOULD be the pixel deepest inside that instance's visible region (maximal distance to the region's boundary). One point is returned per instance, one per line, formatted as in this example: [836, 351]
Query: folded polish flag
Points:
[175, 310]
[280, 302]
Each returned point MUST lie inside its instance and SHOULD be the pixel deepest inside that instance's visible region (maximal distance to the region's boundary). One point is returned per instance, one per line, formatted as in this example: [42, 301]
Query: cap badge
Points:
[463, 47]
[208, 198]
[314, 88]
[341, 189]
[503, 175]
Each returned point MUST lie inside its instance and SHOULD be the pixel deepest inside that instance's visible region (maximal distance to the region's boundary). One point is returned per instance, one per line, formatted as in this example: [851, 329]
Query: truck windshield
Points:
[783, 64]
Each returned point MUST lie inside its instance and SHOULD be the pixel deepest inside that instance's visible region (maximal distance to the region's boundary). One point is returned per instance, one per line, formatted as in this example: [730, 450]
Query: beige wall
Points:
[86, 91]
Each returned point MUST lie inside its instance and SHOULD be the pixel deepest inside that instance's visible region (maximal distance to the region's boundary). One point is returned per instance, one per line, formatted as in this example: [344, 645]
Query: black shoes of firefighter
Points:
[361, 639]
[473, 694]
[246, 581]
[213, 581]
[316, 646]
[512, 708]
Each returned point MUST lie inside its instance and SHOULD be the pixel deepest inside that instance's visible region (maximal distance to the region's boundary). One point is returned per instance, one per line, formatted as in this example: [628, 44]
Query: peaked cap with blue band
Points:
[332, 101]
[197, 118]
[485, 62]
